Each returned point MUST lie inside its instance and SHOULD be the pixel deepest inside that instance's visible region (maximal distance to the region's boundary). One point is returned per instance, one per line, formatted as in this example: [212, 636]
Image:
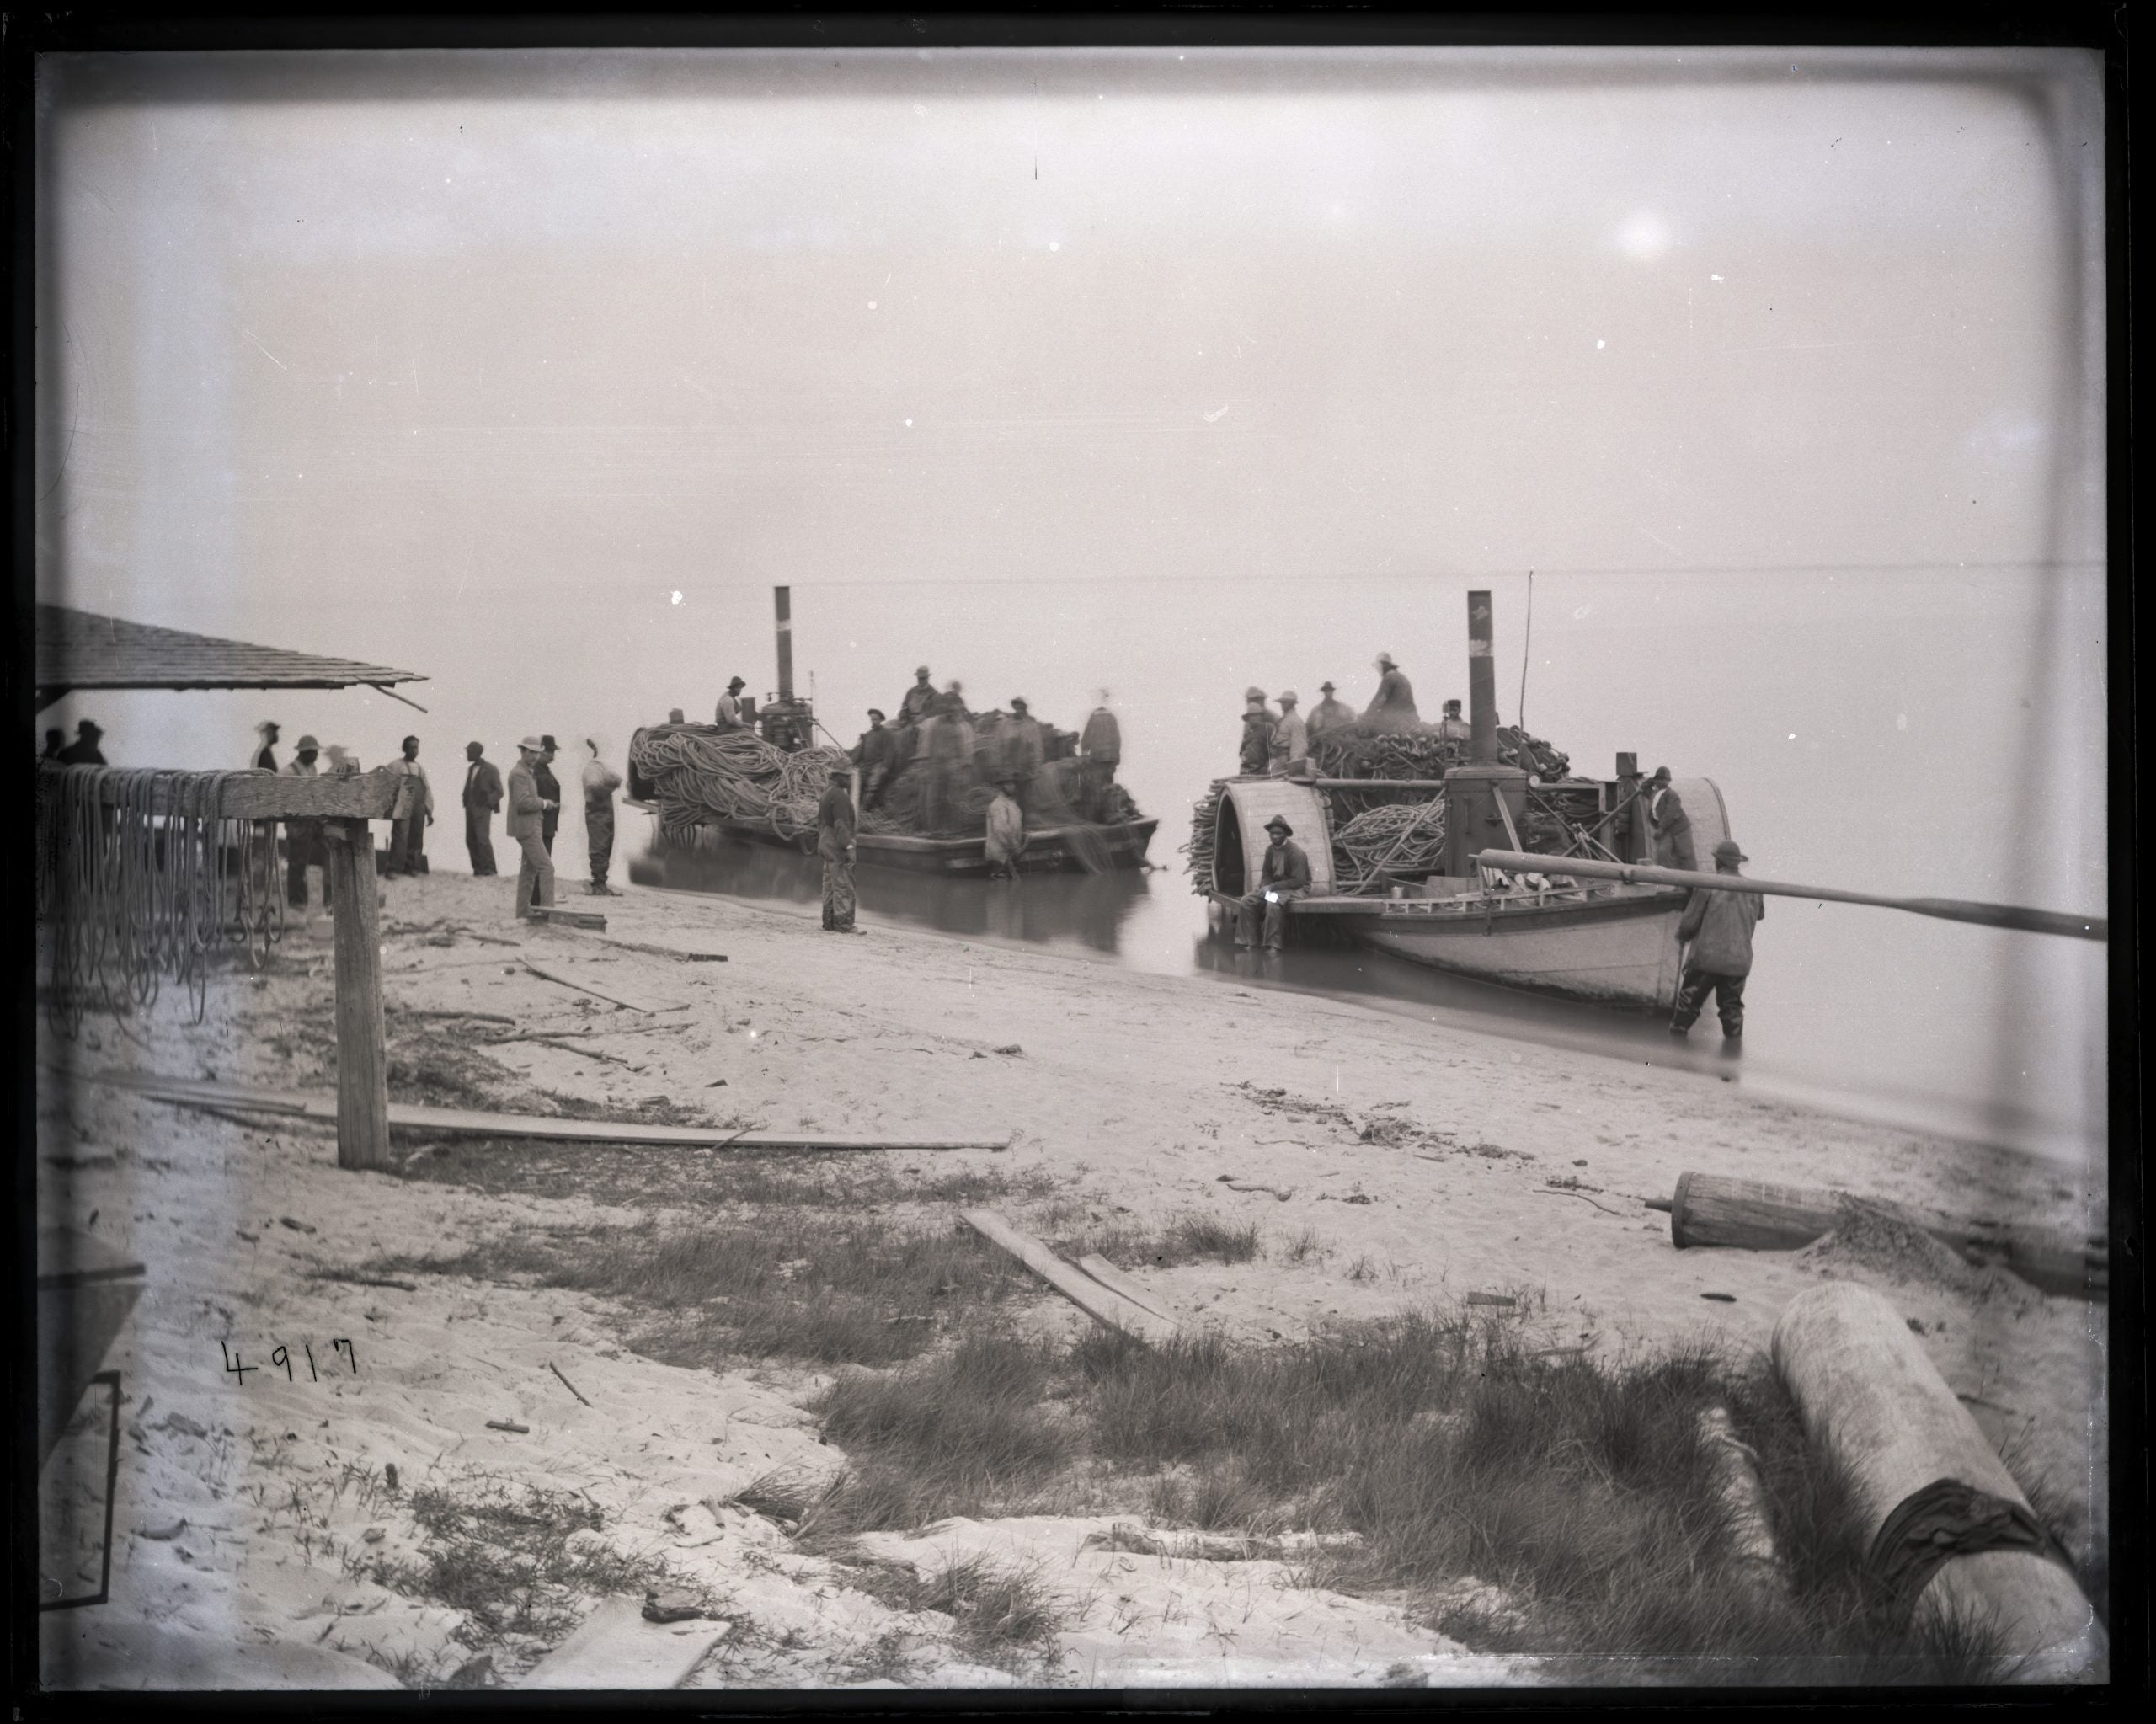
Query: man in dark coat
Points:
[1673, 826]
[1718, 928]
[482, 795]
[1256, 756]
[84, 750]
[1283, 874]
[550, 789]
[835, 832]
[920, 699]
[873, 754]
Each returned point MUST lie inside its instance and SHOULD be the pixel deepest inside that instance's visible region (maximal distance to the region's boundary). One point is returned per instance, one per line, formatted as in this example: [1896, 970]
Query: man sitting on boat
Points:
[728, 716]
[1006, 830]
[1393, 707]
[1285, 874]
[1673, 826]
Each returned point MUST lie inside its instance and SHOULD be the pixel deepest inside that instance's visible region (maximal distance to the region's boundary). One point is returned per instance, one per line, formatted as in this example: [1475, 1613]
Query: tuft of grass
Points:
[823, 1289]
[1186, 1239]
[1002, 1615]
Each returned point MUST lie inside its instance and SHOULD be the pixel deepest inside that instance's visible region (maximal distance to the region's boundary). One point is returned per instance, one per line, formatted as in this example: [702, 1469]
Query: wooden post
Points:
[362, 1058]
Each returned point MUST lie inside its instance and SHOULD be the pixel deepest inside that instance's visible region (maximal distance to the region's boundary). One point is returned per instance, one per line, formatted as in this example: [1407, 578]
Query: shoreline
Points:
[1420, 1165]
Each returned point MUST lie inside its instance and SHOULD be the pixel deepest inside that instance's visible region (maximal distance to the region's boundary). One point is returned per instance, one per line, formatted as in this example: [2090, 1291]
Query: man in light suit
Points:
[527, 812]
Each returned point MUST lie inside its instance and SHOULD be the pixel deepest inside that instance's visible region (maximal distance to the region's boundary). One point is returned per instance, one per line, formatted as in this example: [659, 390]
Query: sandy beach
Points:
[1387, 1165]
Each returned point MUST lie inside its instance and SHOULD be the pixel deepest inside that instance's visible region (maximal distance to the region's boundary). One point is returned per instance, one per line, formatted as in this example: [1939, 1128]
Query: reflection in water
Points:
[1042, 909]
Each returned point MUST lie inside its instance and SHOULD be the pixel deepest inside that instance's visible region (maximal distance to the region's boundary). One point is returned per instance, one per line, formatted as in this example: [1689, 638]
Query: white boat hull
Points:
[1621, 953]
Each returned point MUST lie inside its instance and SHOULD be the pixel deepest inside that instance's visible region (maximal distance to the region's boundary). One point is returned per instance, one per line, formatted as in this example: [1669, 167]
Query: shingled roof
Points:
[76, 649]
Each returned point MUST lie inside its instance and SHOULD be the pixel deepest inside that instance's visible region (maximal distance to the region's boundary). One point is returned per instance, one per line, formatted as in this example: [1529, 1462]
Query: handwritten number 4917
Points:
[283, 1357]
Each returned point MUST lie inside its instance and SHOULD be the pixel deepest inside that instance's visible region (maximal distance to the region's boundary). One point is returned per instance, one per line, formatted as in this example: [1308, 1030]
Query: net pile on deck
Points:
[699, 771]
[1359, 751]
[150, 884]
[1380, 844]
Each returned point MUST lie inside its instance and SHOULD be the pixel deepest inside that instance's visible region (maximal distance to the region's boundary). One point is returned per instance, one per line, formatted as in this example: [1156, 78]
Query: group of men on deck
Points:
[1279, 743]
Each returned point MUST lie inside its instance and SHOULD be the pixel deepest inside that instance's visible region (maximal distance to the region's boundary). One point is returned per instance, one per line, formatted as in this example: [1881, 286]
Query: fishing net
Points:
[140, 879]
[1358, 751]
[1396, 839]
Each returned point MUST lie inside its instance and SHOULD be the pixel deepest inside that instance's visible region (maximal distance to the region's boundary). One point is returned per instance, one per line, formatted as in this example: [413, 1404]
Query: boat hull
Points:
[1614, 948]
[1049, 850]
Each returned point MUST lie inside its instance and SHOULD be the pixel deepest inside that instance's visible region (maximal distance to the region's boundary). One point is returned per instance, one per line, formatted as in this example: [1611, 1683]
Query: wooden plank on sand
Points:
[570, 918]
[1106, 1273]
[612, 993]
[470, 1123]
[1101, 1303]
[617, 1649]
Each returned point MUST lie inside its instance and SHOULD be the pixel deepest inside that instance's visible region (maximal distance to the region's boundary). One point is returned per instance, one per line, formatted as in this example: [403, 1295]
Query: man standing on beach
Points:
[1291, 745]
[834, 827]
[1393, 707]
[549, 786]
[527, 808]
[873, 755]
[414, 811]
[1718, 927]
[600, 782]
[303, 841]
[1285, 874]
[1257, 759]
[1328, 714]
[1673, 826]
[482, 795]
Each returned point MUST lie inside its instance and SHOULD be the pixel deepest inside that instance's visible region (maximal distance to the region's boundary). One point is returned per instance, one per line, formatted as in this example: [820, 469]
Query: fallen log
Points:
[1100, 1302]
[1948, 1531]
[457, 1121]
[1711, 1210]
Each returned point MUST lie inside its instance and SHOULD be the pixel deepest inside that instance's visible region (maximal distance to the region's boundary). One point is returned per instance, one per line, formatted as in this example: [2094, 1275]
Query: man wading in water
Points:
[1719, 926]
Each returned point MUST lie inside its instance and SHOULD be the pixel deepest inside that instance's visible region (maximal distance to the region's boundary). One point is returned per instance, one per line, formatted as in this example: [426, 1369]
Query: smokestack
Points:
[1482, 683]
[783, 596]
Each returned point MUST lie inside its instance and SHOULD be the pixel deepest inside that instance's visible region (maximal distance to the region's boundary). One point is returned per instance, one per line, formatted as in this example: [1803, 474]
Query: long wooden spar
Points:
[1952, 909]
[345, 803]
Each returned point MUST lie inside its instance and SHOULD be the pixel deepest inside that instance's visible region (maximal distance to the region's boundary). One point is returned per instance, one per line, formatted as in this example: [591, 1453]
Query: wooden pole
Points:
[1868, 1392]
[1952, 909]
[362, 1058]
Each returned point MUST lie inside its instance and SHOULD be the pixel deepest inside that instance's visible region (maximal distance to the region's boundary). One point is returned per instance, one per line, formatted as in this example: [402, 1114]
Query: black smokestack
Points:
[784, 597]
[1482, 682]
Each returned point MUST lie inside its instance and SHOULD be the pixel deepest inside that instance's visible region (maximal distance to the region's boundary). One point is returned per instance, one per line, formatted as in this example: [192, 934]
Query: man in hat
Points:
[873, 755]
[1673, 826]
[728, 716]
[1257, 757]
[1393, 707]
[1717, 927]
[1283, 874]
[600, 782]
[264, 758]
[482, 795]
[946, 749]
[1021, 751]
[920, 699]
[1452, 728]
[303, 843]
[1328, 714]
[550, 788]
[1006, 830]
[835, 831]
[1291, 742]
[84, 750]
[527, 810]
[414, 812]
[1100, 752]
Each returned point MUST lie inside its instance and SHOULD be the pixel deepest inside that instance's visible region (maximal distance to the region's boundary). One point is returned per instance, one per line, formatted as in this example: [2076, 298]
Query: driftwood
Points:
[1106, 1273]
[617, 1649]
[1100, 1302]
[1711, 1210]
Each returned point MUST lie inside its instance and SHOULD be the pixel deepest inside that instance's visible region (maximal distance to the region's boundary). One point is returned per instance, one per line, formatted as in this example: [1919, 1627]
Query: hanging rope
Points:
[141, 879]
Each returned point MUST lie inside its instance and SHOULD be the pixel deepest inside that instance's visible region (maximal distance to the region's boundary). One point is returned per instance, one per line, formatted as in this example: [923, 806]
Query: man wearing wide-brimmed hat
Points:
[1328, 714]
[84, 750]
[1283, 874]
[920, 699]
[1393, 707]
[1716, 933]
[728, 714]
[527, 810]
[303, 842]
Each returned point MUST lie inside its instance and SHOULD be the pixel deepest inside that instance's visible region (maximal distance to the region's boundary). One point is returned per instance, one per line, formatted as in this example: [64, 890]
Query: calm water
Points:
[1890, 736]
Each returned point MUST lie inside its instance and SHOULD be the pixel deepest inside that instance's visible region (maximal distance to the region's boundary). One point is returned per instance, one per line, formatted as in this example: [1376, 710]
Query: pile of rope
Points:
[1399, 838]
[1357, 751]
[148, 884]
[1198, 853]
[697, 771]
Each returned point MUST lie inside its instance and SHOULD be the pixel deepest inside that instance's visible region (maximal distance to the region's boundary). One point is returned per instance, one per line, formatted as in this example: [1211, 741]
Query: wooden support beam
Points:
[1101, 1303]
[362, 1053]
[270, 796]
